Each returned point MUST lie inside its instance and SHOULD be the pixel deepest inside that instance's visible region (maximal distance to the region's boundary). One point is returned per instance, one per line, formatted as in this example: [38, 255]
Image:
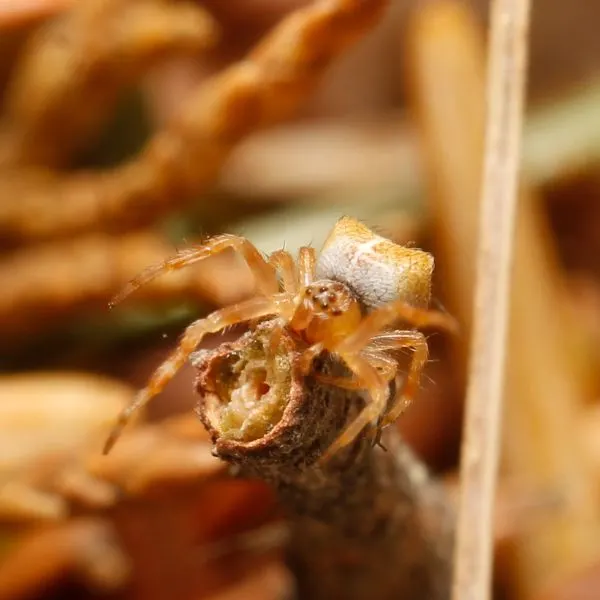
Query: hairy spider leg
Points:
[385, 315]
[303, 313]
[306, 358]
[365, 376]
[418, 343]
[282, 261]
[350, 348]
[274, 341]
[377, 388]
[386, 366]
[264, 274]
[253, 308]
[307, 264]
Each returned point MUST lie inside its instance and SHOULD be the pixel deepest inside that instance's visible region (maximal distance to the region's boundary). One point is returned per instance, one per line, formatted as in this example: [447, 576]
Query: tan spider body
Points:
[344, 302]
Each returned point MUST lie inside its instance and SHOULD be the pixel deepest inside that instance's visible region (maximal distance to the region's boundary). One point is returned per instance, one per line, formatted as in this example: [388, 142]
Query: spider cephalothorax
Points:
[328, 298]
[329, 309]
[344, 302]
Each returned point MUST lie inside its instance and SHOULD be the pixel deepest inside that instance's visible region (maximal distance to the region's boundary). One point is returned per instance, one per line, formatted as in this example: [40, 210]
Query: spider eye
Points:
[322, 289]
[331, 297]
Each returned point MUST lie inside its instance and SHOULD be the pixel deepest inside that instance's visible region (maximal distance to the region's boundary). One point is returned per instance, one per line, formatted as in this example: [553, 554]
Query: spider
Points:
[343, 301]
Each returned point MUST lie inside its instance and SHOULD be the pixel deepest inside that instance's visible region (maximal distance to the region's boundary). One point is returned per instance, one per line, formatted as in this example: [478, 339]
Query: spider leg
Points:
[365, 376]
[351, 350]
[303, 313]
[213, 323]
[307, 357]
[265, 276]
[345, 383]
[307, 264]
[282, 261]
[273, 345]
[378, 391]
[417, 341]
[387, 314]
[385, 365]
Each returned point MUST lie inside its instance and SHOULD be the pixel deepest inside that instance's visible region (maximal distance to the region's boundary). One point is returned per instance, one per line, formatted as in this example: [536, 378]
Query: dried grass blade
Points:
[481, 441]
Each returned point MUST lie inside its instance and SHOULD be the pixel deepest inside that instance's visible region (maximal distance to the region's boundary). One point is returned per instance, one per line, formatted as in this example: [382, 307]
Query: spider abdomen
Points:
[378, 270]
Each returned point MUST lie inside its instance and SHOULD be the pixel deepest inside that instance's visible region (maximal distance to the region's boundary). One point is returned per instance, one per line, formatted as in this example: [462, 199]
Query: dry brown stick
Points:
[73, 69]
[481, 438]
[370, 523]
[184, 158]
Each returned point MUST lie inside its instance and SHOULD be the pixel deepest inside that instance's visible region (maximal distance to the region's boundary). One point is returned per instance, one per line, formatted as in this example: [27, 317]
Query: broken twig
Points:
[367, 524]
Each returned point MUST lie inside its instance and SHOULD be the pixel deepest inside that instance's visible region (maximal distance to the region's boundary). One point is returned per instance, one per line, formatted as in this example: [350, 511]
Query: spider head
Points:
[375, 268]
[333, 309]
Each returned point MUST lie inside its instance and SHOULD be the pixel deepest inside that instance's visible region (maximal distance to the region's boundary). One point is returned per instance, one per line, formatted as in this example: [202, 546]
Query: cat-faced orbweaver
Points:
[343, 301]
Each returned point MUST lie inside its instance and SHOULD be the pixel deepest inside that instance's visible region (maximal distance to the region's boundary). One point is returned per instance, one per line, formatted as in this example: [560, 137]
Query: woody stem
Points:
[369, 523]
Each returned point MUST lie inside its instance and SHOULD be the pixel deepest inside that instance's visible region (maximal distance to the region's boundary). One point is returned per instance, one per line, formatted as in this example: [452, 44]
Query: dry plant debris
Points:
[58, 492]
[181, 160]
[86, 547]
[18, 14]
[72, 70]
[52, 428]
[46, 419]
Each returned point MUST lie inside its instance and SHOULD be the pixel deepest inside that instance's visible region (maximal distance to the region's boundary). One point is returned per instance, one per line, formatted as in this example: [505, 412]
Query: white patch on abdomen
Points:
[358, 266]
